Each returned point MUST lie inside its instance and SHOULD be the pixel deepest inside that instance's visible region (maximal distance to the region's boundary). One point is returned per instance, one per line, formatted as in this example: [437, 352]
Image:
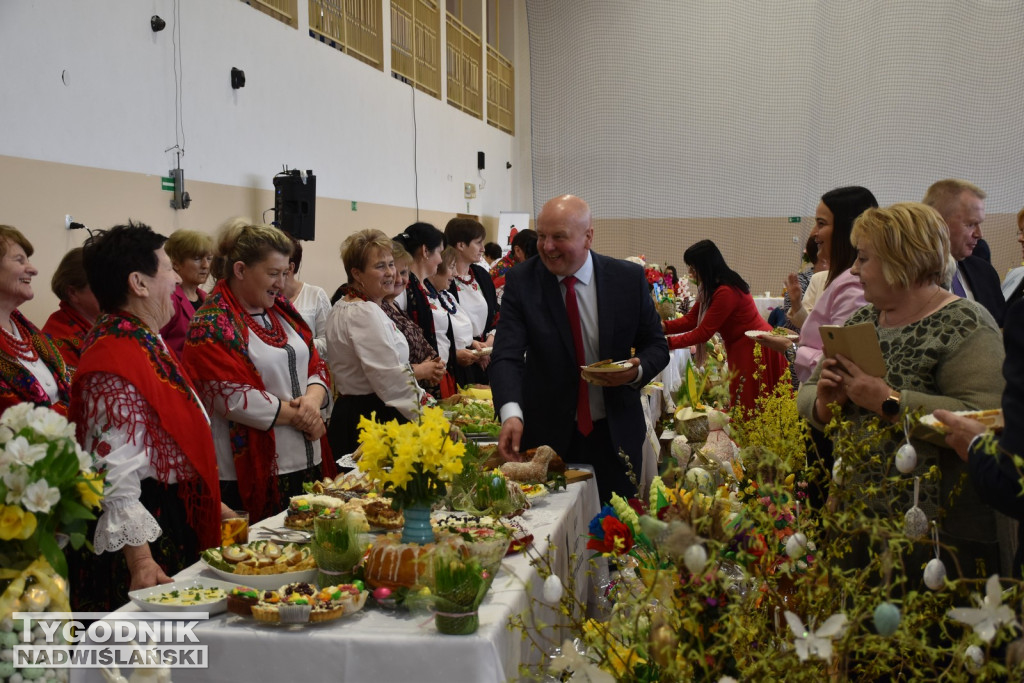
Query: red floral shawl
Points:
[217, 357]
[67, 329]
[121, 344]
[18, 385]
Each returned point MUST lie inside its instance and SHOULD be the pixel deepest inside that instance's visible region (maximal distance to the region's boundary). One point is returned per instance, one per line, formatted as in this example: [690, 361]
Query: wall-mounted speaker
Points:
[295, 203]
[480, 160]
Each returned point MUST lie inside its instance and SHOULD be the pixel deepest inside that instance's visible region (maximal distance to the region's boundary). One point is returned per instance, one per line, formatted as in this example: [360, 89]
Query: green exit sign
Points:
[167, 184]
[795, 219]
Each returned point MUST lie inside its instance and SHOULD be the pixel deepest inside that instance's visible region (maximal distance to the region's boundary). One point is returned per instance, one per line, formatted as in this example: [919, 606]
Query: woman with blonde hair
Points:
[252, 358]
[940, 351]
[31, 368]
[191, 254]
[369, 356]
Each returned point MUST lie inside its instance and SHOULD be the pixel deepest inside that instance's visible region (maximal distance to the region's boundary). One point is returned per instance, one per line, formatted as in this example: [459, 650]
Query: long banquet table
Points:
[376, 645]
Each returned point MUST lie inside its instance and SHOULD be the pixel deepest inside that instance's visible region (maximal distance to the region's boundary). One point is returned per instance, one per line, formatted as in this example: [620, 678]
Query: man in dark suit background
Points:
[535, 367]
[962, 206]
[996, 477]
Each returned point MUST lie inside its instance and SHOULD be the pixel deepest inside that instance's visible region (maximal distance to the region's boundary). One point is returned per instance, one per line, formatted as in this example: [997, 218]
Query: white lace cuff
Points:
[124, 522]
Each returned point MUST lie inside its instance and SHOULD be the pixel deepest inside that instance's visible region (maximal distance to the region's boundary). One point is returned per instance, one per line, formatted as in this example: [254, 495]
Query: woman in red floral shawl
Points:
[254, 363]
[135, 408]
[31, 367]
[68, 325]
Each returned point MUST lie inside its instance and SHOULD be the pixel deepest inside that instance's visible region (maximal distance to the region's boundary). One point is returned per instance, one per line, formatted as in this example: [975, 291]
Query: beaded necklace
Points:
[470, 281]
[434, 294]
[19, 348]
[274, 336]
[357, 293]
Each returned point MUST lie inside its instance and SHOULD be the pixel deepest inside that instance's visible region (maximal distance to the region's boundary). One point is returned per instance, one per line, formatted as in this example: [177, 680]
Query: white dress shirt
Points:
[313, 305]
[284, 372]
[368, 355]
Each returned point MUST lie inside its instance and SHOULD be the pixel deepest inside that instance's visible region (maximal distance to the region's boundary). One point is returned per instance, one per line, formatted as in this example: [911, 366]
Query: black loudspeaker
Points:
[295, 203]
[480, 160]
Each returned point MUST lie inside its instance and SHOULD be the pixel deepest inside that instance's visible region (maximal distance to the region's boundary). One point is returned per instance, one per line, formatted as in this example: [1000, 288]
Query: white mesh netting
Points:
[678, 120]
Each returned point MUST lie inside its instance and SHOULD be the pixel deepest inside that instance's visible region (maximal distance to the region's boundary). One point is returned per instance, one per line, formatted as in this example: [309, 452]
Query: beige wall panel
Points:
[38, 194]
[759, 249]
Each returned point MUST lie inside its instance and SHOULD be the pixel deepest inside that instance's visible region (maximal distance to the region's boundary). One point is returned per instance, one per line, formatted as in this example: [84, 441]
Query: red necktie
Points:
[583, 421]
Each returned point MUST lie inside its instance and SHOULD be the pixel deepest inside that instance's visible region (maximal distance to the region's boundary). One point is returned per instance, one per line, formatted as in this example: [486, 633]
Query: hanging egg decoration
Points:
[906, 458]
[695, 558]
[887, 619]
[974, 659]
[796, 545]
[915, 523]
[552, 589]
[838, 474]
[935, 574]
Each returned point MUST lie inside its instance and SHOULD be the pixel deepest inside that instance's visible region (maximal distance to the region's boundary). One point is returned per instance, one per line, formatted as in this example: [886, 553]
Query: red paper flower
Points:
[617, 538]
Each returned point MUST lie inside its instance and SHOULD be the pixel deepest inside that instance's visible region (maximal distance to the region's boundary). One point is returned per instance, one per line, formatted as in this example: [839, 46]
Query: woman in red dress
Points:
[724, 305]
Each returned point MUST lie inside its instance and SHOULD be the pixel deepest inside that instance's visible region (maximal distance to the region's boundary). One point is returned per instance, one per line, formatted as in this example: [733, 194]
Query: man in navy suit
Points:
[962, 206]
[996, 477]
[535, 367]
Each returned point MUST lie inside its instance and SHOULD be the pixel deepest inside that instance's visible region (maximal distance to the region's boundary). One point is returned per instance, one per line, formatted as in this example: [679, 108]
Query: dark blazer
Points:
[984, 282]
[534, 361]
[483, 279]
[996, 478]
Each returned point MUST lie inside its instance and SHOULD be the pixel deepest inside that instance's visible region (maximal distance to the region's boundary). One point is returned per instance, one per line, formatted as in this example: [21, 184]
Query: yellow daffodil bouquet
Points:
[413, 461]
[48, 484]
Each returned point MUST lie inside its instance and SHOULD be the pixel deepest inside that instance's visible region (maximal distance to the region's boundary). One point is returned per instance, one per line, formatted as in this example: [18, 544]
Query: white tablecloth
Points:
[379, 646]
[765, 305]
[656, 402]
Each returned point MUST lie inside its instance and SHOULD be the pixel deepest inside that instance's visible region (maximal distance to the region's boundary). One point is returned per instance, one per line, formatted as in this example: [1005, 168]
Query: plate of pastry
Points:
[607, 366]
[298, 603]
[993, 419]
[777, 332]
[265, 565]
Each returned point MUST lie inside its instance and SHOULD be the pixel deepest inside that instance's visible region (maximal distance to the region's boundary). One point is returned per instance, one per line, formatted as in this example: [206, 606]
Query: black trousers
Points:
[597, 449]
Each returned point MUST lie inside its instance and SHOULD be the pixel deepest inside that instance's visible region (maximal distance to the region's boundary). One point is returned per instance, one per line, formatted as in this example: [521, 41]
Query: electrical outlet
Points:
[67, 221]
[470, 190]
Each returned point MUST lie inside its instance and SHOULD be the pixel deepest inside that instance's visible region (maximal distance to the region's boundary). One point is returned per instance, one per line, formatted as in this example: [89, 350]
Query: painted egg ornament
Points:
[838, 472]
[552, 589]
[906, 458]
[796, 545]
[935, 574]
[700, 479]
[974, 659]
[915, 523]
[695, 558]
[887, 619]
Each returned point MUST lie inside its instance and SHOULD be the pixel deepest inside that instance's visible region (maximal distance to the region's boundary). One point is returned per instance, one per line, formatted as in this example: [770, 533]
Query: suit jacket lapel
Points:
[605, 311]
[551, 291]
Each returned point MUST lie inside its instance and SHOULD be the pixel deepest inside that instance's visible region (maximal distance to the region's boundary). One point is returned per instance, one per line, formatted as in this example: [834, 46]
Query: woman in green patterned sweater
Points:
[940, 351]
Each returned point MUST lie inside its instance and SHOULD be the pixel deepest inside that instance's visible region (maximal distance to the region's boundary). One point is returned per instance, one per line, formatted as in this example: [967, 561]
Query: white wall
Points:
[304, 104]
